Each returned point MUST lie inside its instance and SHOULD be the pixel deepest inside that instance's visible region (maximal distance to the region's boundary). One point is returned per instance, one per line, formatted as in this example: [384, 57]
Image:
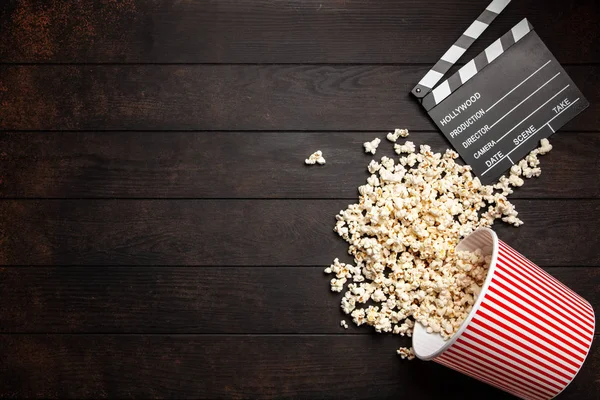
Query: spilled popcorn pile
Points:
[402, 234]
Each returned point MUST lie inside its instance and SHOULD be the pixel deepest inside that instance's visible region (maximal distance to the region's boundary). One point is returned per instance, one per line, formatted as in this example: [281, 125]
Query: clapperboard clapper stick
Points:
[499, 105]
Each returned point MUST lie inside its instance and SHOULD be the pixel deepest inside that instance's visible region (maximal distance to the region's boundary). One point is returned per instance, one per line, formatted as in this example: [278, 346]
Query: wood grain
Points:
[232, 300]
[246, 232]
[237, 367]
[241, 165]
[161, 237]
[229, 97]
[271, 31]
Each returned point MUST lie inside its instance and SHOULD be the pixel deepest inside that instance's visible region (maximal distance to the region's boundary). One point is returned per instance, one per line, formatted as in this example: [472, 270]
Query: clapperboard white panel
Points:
[498, 106]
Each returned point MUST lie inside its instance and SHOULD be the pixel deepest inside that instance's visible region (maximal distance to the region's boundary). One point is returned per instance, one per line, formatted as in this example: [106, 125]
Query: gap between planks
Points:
[349, 64]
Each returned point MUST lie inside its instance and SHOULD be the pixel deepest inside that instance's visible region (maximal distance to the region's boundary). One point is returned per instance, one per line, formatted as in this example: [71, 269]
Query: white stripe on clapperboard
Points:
[453, 54]
[493, 51]
[431, 78]
[497, 6]
[467, 71]
[441, 92]
[476, 29]
[520, 30]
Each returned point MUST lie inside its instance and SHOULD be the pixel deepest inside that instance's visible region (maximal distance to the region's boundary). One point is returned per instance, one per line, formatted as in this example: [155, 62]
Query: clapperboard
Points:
[499, 105]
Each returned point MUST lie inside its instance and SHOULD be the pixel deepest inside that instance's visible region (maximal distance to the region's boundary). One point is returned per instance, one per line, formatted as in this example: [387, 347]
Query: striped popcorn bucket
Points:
[528, 334]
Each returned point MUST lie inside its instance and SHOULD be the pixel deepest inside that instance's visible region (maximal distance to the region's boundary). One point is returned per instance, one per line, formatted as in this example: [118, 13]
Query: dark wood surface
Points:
[186, 300]
[238, 367]
[217, 165]
[230, 97]
[247, 232]
[272, 31]
[161, 236]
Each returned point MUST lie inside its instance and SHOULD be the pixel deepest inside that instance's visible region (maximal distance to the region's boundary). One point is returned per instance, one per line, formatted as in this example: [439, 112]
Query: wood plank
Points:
[246, 232]
[268, 31]
[232, 300]
[229, 97]
[236, 367]
[241, 165]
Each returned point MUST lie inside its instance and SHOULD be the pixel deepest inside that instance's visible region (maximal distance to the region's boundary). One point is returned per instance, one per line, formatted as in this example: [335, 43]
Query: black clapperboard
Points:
[499, 105]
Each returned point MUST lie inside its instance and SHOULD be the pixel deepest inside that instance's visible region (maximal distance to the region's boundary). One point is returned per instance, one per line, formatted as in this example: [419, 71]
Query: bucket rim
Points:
[420, 330]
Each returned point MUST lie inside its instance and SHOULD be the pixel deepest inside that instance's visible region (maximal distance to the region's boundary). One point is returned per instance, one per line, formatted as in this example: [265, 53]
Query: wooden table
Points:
[161, 236]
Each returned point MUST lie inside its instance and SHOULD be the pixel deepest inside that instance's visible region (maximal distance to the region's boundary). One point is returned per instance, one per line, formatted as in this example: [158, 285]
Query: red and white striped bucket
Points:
[528, 334]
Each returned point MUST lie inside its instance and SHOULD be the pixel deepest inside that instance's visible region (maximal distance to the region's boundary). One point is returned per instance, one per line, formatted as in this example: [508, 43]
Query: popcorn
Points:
[406, 352]
[514, 180]
[408, 147]
[545, 146]
[403, 234]
[373, 167]
[344, 324]
[337, 285]
[315, 158]
[398, 133]
[371, 147]
[531, 172]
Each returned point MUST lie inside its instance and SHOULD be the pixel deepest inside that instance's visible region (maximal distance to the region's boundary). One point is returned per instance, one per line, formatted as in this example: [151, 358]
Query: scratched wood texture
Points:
[237, 367]
[235, 165]
[230, 97]
[161, 237]
[184, 300]
[275, 31]
[247, 232]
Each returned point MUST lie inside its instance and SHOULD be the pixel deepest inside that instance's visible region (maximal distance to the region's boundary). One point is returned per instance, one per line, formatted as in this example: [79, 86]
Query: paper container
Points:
[528, 334]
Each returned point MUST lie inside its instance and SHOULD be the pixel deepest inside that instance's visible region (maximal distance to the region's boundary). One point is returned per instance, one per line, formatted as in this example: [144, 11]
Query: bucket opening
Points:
[429, 345]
